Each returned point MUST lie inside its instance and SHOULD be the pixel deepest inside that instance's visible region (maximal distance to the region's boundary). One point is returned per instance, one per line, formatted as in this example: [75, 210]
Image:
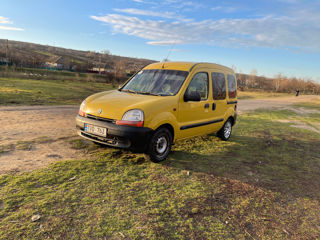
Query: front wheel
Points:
[159, 146]
[225, 132]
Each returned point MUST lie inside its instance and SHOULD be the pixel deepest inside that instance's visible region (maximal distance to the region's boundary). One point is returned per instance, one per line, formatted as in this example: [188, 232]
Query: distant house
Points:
[5, 61]
[101, 70]
[110, 70]
[96, 69]
[53, 65]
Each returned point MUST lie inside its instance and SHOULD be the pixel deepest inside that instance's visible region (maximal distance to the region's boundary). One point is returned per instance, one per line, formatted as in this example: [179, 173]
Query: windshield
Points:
[156, 82]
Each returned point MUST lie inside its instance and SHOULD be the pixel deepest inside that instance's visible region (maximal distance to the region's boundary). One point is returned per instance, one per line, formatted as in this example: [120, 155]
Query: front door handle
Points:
[213, 106]
[206, 105]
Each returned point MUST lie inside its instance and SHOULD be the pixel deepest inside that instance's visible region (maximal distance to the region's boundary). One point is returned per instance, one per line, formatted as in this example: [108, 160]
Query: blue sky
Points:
[274, 36]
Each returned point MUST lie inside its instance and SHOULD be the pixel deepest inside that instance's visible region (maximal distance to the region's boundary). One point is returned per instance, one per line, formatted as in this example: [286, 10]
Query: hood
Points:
[114, 104]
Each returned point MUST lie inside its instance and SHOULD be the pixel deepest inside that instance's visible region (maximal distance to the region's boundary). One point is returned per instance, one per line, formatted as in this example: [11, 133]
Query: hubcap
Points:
[161, 145]
[227, 129]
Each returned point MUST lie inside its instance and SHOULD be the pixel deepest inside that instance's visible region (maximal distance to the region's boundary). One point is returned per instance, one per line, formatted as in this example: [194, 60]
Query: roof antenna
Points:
[167, 58]
[172, 45]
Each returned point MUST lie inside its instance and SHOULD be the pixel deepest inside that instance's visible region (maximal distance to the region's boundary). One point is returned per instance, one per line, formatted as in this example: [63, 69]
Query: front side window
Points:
[199, 83]
[156, 82]
[218, 86]
[232, 87]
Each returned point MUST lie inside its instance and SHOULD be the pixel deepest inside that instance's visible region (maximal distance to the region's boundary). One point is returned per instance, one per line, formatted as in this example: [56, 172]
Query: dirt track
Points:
[278, 102]
[35, 136]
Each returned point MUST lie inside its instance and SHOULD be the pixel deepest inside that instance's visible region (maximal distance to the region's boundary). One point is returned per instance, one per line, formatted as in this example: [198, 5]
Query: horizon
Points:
[271, 37]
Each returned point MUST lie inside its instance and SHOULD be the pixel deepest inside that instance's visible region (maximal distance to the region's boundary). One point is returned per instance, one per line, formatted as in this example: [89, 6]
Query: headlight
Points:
[133, 117]
[83, 104]
[81, 109]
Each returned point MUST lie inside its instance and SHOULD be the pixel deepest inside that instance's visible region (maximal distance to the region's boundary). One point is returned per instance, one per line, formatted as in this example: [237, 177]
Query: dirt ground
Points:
[277, 102]
[35, 136]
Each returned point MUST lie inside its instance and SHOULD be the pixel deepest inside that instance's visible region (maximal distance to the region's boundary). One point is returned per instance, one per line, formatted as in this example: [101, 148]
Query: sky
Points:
[269, 36]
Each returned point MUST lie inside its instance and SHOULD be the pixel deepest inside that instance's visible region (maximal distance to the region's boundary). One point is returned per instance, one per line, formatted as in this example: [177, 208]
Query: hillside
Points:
[43, 56]
[116, 68]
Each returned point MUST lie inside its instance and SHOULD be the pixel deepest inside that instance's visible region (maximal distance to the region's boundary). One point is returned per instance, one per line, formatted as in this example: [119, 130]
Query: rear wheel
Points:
[225, 132]
[159, 146]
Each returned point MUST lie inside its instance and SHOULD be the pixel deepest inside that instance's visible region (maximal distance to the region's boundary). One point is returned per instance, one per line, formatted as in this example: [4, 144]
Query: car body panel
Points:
[115, 103]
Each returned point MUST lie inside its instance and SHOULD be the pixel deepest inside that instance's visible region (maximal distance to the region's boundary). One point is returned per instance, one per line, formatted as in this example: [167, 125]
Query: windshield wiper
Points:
[128, 90]
[149, 93]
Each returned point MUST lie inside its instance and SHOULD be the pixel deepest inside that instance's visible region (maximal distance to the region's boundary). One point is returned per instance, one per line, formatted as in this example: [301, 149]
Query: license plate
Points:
[95, 130]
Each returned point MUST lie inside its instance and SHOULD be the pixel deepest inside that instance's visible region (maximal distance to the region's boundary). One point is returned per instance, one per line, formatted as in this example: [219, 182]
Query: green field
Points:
[262, 184]
[72, 90]
[15, 91]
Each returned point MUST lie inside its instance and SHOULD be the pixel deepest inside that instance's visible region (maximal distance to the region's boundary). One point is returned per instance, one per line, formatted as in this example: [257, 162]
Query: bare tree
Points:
[119, 70]
[252, 78]
[277, 81]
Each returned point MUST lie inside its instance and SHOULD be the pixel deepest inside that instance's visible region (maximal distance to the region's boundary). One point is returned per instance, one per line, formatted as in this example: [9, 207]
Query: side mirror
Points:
[192, 96]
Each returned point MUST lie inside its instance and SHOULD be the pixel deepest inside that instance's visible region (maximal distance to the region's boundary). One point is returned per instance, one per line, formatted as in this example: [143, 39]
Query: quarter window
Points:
[218, 86]
[232, 87]
[199, 83]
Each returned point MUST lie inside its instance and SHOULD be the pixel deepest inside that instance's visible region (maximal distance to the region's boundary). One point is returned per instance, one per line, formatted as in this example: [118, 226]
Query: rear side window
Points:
[218, 86]
[199, 83]
[232, 87]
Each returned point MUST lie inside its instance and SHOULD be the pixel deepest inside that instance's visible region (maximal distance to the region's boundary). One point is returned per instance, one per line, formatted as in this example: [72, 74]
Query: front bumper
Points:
[128, 137]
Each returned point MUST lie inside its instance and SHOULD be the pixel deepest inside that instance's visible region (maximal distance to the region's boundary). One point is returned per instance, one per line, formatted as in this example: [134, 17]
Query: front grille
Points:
[100, 118]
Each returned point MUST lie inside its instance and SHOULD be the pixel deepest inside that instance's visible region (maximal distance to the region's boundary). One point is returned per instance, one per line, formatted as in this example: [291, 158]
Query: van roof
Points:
[185, 66]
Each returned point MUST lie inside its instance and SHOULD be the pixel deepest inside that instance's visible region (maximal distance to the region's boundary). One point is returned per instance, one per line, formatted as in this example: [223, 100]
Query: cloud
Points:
[224, 9]
[177, 50]
[301, 30]
[163, 43]
[217, 8]
[144, 2]
[172, 4]
[134, 11]
[4, 20]
[182, 4]
[10, 28]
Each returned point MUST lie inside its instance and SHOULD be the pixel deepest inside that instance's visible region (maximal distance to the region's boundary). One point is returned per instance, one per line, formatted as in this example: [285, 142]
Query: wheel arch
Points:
[232, 120]
[169, 127]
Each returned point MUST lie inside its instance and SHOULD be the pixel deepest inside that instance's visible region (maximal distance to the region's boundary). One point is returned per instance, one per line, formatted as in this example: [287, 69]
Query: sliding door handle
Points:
[213, 106]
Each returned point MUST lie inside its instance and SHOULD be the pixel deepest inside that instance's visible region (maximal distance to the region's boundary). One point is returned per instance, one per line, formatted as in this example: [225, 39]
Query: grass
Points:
[45, 53]
[15, 91]
[262, 184]
[310, 105]
[261, 94]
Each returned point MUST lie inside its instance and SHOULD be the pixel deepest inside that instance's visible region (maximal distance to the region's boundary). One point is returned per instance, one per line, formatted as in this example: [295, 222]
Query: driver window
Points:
[199, 83]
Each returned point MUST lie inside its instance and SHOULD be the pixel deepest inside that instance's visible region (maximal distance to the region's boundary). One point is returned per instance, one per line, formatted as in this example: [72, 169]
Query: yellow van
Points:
[163, 103]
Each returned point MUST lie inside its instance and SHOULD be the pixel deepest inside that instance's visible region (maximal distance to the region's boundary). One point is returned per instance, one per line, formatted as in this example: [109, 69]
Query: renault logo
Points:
[99, 111]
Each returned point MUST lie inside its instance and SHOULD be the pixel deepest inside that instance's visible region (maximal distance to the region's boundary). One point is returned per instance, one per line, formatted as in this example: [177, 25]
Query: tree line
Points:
[279, 83]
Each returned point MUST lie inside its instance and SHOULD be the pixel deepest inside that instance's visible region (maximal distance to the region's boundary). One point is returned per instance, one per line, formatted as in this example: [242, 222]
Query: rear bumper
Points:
[135, 138]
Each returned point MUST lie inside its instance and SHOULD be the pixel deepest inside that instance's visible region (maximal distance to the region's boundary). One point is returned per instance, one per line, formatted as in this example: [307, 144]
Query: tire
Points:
[159, 146]
[225, 132]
